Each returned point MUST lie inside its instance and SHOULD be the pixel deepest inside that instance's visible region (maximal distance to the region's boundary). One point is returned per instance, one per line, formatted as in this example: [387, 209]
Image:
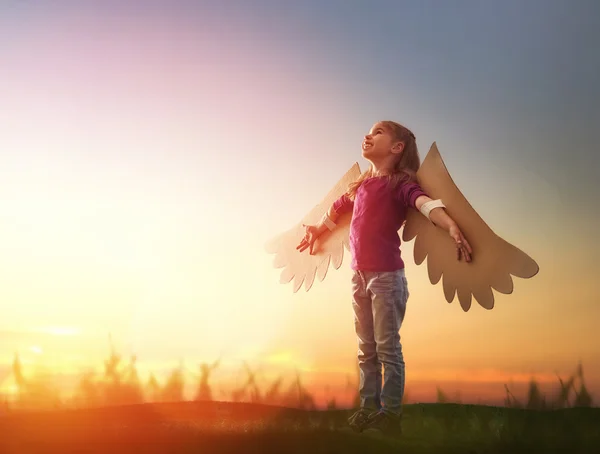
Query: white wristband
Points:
[428, 206]
[328, 222]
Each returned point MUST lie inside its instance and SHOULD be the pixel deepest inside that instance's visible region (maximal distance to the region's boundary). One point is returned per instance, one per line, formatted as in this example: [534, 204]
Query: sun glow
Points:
[35, 349]
[61, 331]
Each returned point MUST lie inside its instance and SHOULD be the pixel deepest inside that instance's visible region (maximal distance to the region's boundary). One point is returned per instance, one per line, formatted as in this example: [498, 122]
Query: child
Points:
[378, 201]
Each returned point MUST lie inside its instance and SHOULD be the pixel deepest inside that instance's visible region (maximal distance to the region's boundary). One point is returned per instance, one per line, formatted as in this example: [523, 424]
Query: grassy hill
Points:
[225, 427]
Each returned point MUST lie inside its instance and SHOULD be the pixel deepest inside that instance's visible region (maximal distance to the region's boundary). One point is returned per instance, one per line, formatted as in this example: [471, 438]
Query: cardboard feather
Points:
[328, 248]
[493, 262]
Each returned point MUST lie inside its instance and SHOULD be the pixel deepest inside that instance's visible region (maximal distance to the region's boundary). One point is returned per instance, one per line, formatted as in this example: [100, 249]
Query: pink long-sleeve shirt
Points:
[378, 211]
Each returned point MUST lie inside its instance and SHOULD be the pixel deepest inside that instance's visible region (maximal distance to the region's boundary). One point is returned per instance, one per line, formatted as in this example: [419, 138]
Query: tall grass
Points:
[569, 393]
[119, 384]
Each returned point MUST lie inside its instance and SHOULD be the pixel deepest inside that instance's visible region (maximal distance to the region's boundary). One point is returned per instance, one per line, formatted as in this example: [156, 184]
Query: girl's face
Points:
[378, 143]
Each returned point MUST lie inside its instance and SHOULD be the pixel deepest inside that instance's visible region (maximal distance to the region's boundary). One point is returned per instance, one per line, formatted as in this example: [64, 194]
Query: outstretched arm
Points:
[438, 216]
[342, 205]
[441, 218]
[321, 227]
[315, 231]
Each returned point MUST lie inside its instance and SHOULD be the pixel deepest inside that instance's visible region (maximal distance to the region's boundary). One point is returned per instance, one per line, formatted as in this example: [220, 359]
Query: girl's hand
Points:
[312, 232]
[462, 245]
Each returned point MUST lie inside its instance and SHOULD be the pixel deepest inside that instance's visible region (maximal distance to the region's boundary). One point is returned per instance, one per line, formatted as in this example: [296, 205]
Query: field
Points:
[115, 412]
[226, 427]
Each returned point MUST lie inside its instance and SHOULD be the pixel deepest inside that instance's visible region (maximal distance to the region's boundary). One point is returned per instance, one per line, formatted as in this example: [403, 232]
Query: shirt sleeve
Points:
[343, 205]
[408, 193]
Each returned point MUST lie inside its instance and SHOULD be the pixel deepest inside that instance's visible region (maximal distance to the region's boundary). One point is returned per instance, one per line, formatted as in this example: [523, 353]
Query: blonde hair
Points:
[406, 166]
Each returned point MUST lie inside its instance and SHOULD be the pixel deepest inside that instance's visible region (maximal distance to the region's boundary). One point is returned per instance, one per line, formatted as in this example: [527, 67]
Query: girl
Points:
[378, 201]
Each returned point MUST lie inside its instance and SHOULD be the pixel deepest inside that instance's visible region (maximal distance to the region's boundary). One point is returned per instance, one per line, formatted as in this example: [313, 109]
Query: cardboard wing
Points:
[328, 249]
[494, 259]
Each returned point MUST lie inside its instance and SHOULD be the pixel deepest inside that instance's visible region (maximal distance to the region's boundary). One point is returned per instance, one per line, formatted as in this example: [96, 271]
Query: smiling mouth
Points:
[366, 146]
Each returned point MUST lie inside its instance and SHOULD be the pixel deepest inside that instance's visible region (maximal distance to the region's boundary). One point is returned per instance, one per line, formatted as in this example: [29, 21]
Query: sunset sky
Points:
[148, 150]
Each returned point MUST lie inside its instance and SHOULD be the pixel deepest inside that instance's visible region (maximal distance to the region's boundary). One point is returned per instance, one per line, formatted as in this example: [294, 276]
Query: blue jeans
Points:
[379, 302]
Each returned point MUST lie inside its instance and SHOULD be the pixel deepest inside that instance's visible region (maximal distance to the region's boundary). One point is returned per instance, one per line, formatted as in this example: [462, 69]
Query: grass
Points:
[115, 412]
[226, 427]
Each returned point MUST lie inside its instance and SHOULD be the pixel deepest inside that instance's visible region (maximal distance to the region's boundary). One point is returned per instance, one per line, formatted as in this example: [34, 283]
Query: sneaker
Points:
[384, 423]
[360, 419]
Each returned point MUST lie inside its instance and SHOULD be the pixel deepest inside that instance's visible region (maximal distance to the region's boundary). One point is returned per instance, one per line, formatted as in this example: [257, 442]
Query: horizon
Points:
[67, 387]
